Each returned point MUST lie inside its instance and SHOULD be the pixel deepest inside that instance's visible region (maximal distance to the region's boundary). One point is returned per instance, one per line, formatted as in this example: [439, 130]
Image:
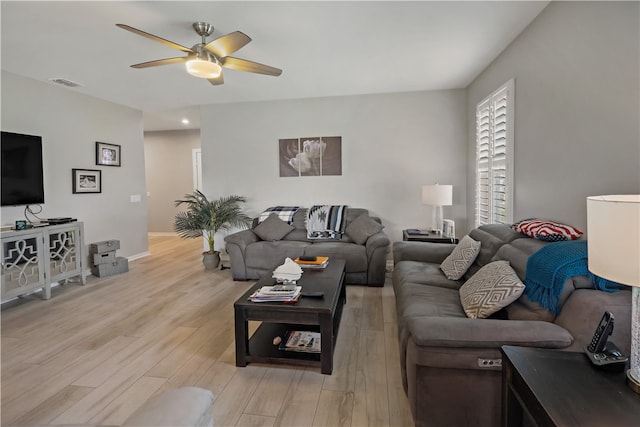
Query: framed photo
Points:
[107, 154]
[311, 156]
[86, 181]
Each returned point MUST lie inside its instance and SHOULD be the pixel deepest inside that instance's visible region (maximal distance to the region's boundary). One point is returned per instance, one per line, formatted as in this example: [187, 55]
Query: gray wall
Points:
[70, 124]
[391, 145]
[168, 160]
[577, 134]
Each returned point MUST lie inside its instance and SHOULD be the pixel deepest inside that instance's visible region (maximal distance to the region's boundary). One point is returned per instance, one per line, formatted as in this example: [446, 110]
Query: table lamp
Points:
[613, 226]
[437, 196]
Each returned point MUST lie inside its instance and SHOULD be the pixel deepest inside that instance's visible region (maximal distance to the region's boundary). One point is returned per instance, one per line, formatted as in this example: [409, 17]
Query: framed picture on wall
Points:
[310, 156]
[107, 154]
[86, 181]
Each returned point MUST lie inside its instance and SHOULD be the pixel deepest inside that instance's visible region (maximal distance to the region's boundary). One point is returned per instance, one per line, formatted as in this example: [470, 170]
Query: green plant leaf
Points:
[204, 215]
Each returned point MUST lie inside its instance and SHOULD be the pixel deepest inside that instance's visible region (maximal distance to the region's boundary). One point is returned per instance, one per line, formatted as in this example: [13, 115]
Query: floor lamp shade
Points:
[437, 196]
[613, 227]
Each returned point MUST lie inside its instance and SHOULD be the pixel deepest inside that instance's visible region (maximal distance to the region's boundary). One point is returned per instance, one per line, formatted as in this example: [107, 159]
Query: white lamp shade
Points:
[437, 195]
[613, 227]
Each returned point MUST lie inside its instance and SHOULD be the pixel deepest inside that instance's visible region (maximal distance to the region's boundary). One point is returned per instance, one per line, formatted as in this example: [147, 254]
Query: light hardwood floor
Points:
[91, 355]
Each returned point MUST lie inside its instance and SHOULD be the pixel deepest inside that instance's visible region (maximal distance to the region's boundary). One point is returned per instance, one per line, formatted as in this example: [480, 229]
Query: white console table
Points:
[37, 257]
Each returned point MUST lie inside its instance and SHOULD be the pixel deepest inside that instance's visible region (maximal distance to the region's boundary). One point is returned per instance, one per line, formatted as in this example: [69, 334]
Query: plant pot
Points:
[211, 260]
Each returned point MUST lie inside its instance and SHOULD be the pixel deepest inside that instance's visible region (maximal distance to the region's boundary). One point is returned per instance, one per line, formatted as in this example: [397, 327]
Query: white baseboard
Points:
[138, 256]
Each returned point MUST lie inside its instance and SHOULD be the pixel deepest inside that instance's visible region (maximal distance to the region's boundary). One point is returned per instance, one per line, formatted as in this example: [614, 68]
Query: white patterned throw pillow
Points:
[493, 287]
[461, 258]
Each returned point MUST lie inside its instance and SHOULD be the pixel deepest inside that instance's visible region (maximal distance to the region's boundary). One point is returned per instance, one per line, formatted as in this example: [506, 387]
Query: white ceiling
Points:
[324, 48]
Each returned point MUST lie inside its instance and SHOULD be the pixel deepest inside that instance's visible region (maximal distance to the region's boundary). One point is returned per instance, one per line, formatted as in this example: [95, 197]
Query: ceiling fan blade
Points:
[160, 62]
[217, 81]
[155, 38]
[249, 66]
[226, 45]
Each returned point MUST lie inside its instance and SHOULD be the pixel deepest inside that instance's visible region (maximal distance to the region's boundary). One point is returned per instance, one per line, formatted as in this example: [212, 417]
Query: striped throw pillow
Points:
[549, 231]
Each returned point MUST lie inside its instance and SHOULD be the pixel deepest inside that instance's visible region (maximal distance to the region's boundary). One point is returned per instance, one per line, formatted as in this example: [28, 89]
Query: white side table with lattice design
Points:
[37, 257]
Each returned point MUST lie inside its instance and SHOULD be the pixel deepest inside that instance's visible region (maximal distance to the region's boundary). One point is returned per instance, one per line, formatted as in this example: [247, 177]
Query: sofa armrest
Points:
[378, 240]
[236, 245]
[421, 251]
[463, 332]
[242, 238]
[377, 247]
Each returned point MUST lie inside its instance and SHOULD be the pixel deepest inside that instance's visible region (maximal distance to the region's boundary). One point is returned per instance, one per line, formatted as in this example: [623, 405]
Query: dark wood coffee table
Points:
[309, 314]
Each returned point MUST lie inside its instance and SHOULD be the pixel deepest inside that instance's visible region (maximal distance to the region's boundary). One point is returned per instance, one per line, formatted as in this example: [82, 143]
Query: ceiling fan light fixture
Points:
[206, 69]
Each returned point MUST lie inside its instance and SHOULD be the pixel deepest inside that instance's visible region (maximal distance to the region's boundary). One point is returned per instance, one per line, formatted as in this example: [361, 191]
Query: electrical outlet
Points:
[489, 363]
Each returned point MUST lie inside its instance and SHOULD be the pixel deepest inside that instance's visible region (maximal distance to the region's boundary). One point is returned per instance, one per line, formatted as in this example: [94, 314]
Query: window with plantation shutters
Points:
[494, 158]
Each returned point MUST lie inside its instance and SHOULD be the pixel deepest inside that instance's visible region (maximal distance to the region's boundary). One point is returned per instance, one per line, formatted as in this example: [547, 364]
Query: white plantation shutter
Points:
[494, 157]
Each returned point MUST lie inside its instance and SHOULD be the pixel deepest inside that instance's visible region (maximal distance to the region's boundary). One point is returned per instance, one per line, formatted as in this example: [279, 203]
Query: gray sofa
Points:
[252, 257]
[450, 364]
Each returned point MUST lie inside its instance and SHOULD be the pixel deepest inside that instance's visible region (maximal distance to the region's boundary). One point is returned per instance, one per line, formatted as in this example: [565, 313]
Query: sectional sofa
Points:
[450, 363]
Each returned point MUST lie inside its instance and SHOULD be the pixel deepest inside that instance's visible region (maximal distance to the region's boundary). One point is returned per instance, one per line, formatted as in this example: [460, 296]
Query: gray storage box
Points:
[106, 246]
[102, 270]
[104, 258]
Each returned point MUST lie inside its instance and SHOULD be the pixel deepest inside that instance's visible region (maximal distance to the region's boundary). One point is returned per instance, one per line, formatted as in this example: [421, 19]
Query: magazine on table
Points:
[301, 341]
[276, 293]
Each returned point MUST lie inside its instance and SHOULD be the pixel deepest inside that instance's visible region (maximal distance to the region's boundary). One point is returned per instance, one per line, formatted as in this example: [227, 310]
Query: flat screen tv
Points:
[21, 173]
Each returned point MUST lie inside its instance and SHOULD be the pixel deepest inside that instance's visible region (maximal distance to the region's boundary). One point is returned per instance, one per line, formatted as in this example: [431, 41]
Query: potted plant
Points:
[204, 216]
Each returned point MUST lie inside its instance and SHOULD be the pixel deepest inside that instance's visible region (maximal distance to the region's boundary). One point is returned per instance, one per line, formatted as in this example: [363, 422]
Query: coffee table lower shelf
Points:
[262, 349]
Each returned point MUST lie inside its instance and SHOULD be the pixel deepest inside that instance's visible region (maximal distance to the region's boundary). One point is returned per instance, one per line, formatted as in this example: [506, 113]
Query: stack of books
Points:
[307, 263]
[301, 341]
[285, 293]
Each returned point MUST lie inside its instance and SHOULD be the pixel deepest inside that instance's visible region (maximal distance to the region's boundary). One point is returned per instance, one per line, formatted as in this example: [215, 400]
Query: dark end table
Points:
[426, 236]
[562, 388]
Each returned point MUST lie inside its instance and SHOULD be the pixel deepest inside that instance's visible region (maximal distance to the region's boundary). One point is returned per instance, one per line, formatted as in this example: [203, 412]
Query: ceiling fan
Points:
[207, 59]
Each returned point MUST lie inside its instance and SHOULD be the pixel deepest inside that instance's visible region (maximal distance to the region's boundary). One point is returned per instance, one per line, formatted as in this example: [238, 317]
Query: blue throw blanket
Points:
[552, 265]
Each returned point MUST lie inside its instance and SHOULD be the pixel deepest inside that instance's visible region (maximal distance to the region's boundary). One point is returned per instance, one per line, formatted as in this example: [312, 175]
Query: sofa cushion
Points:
[517, 253]
[354, 255]
[549, 231]
[493, 287]
[272, 228]
[491, 238]
[363, 227]
[583, 310]
[267, 255]
[424, 273]
[420, 300]
[458, 262]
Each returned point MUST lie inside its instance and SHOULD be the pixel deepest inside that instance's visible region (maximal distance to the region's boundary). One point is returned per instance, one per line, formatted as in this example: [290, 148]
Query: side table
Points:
[562, 388]
[425, 236]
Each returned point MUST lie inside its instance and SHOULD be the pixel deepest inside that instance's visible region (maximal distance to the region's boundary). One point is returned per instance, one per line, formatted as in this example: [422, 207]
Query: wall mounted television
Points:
[21, 173]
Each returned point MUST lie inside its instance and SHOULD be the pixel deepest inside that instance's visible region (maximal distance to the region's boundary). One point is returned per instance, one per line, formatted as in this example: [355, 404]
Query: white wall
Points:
[577, 134]
[70, 124]
[391, 145]
[168, 160]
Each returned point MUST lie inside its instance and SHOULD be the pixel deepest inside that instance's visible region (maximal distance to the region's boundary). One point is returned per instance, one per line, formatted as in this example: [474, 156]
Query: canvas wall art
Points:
[312, 156]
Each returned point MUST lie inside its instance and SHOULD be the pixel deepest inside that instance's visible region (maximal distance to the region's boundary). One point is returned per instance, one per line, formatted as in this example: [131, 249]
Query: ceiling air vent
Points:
[66, 82]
